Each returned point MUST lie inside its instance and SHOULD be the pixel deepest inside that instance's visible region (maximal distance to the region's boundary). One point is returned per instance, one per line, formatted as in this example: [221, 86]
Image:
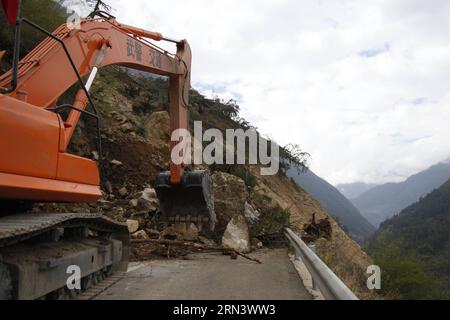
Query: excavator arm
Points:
[47, 72]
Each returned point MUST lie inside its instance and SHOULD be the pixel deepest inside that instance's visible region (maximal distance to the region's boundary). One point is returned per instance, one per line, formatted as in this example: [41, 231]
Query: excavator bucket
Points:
[190, 201]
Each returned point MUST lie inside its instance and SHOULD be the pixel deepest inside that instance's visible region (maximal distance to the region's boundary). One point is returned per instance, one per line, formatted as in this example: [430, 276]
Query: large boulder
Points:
[140, 235]
[123, 192]
[133, 226]
[251, 214]
[236, 235]
[142, 218]
[145, 201]
[230, 195]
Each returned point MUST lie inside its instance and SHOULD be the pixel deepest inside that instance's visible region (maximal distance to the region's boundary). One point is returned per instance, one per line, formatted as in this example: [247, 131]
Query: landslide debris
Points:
[252, 210]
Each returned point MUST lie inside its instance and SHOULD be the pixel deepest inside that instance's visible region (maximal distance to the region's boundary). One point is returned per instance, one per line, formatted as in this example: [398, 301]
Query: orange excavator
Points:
[37, 250]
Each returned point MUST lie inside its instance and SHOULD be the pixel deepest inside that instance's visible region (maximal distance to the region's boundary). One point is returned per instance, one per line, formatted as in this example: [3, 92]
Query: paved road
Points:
[212, 277]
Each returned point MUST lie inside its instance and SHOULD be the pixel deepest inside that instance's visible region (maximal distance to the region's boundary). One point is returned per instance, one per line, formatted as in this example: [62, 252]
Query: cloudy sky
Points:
[364, 86]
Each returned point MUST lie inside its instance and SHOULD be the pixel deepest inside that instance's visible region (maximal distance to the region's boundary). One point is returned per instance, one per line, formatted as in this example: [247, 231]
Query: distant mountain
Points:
[383, 201]
[334, 203]
[353, 190]
[413, 248]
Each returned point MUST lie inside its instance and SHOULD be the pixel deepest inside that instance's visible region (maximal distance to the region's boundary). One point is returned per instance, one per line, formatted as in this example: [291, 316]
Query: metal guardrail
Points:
[331, 287]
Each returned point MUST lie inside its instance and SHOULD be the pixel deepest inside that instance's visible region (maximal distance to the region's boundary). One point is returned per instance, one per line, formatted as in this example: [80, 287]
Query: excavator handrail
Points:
[101, 14]
[95, 114]
[80, 80]
[99, 135]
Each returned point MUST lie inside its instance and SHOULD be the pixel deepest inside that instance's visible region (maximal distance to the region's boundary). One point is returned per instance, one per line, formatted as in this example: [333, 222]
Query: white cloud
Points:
[362, 85]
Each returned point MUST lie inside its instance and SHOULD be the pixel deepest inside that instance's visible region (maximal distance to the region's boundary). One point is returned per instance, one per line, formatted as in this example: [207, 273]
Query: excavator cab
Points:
[190, 201]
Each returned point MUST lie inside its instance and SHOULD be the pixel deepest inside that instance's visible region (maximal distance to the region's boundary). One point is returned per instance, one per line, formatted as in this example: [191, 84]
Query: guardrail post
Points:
[313, 249]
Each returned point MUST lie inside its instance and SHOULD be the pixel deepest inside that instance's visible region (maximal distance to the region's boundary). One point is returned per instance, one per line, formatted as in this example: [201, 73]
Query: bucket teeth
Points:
[190, 201]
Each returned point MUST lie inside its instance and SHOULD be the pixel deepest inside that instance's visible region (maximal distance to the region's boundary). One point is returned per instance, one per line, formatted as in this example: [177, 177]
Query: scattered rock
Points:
[149, 194]
[123, 192]
[105, 204]
[147, 201]
[134, 203]
[251, 214]
[116, 163]
[257, 243]
[236, 235]
[206, 241]
[142, 218]
[119, 117]
[140, 235]
[127, 127]
[149, 206]
[170, 233]
[153, 234]
[133, 226]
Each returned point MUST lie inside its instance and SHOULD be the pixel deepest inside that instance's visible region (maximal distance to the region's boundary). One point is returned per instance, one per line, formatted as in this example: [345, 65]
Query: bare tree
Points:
[293, 156]
[99, 5]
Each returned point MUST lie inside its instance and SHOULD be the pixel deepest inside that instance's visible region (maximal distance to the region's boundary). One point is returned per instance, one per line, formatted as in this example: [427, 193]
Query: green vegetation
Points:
[48, 14]
[413, 249]
[271, 221]
[405, 274]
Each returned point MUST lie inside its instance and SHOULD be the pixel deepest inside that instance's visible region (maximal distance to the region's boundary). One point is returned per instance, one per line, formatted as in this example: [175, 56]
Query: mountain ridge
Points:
[353, 190]
[413, 248]
[384, 201]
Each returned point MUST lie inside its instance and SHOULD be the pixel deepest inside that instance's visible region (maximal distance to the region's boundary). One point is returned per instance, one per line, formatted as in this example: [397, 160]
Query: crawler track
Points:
[36, 251]
[98, 289]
